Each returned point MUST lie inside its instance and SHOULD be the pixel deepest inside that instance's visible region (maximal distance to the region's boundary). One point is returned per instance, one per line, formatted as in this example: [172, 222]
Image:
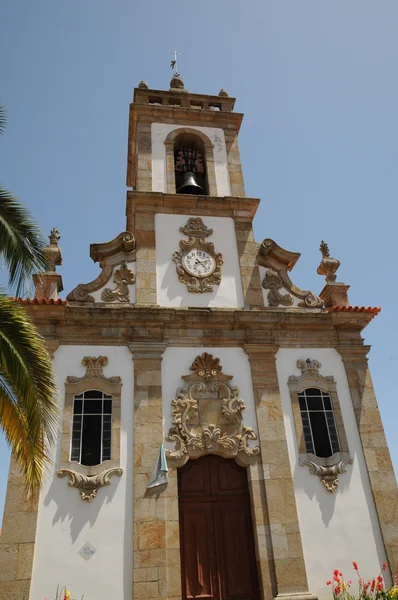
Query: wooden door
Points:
[217, 547]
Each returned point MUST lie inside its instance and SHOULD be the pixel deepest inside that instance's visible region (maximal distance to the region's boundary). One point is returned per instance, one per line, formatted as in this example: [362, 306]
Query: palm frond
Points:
[3, 118]
[29, 411]
[21, 243]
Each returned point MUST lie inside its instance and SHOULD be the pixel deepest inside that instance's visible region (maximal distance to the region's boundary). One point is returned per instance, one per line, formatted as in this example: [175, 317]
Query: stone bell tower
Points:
[220, 433]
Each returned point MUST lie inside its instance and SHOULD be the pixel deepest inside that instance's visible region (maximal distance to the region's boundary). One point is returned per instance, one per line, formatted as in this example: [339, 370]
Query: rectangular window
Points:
[319, 426]
[91, 428]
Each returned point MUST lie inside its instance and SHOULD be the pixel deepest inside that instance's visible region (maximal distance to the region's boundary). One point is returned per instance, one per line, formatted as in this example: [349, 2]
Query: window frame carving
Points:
[94, 379]
[169, 143]
[328, 468]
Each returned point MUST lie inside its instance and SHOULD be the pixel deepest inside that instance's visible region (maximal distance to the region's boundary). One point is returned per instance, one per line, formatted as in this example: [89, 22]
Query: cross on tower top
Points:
[173, 63]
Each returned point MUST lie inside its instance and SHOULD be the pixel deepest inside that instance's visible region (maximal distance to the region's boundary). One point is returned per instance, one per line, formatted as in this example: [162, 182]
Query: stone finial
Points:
[333, 294]
[49, 283]
[143, 85]
[52, 251]
[177, 84]
[328, 266]
[223, 93]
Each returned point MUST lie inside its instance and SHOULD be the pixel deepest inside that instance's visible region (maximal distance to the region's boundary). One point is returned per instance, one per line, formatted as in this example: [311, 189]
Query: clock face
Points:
[199, 263]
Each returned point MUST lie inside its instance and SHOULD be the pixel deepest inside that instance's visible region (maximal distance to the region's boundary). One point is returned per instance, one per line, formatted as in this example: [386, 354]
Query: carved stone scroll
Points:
[123, 248]
[123, 277]
[309, 368]
[94, 368]
[207, 416]
[278, 262]
[89, 486]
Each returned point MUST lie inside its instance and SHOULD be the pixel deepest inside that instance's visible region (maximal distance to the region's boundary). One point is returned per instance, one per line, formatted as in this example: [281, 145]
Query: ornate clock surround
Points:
[197, 231]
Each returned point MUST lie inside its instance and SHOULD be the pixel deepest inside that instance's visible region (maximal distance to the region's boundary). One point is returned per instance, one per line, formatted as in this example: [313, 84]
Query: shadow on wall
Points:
[314, 488]
[72, 508]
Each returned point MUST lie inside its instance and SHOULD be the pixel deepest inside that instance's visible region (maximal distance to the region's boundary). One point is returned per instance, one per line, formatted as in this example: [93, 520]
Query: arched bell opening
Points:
[190, 165]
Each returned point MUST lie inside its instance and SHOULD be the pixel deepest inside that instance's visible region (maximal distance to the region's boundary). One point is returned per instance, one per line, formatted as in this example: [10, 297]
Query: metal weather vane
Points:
[173, 63]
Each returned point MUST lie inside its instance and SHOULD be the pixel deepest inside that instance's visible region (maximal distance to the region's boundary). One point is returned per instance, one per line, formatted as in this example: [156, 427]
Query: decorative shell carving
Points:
[197, 232]
[123, 277]
[207, 415]
[94, 368]
[328, 475]
[88, 486]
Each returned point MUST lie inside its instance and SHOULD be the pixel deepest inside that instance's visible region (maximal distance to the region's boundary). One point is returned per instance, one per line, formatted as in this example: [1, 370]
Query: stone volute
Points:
[48, 284]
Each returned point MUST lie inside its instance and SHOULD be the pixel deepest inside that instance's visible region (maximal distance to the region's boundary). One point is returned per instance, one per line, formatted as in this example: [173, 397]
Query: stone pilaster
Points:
[144, 157]
[146, 256]
[234, 164]
[375, 449]
[157, 571]
[249, 270]
[17, 540]
[284, 531]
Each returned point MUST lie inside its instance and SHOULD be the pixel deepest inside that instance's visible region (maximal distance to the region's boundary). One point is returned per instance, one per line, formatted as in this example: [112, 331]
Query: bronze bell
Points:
[189, 184]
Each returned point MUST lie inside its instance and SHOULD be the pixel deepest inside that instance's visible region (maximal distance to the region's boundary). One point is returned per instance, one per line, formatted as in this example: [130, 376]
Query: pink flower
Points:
[360, 582]
[327, 583]
[384, 566]
[373, 584]
[379, 578]
[335, 572]
[337, 590]
[380, 587]
[355, 565]
[349, 582]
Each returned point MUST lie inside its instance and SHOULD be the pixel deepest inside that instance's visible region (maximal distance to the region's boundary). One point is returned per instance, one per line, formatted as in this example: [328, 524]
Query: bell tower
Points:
[183, 162]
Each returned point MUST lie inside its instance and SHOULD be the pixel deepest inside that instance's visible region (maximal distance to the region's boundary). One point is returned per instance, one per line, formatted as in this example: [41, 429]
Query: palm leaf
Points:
[29, 412]
[3, 118]
[21, 243]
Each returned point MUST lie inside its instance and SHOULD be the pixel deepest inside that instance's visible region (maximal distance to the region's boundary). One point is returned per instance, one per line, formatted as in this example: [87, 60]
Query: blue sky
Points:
[316, 81]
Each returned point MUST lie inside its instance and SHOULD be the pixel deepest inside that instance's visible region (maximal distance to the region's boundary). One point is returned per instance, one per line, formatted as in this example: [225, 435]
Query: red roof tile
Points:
[374, 310]
[58, 302]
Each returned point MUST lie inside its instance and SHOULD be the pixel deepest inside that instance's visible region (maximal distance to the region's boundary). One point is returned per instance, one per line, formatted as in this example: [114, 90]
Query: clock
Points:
[198, 265]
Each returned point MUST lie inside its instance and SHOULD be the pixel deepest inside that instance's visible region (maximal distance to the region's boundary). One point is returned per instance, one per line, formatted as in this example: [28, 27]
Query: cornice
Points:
[117, 325]
[239, 208]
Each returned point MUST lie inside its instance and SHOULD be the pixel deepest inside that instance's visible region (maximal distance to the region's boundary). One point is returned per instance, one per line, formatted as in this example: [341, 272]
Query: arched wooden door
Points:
[216, 532]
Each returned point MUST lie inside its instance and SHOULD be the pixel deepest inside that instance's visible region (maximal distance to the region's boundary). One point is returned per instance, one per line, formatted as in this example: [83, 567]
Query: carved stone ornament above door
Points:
[207, 416]
[198, 265]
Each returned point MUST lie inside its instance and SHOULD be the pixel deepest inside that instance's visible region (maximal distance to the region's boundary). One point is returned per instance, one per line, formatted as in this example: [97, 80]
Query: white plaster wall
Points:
[66, 523]
[282, 291]
[170, 291]
[111, 285]
[159, 133]
[337, 528]
[234, 361]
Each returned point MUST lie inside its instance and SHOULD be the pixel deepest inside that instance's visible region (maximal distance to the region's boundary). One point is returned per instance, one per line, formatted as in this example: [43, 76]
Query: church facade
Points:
[220, 434]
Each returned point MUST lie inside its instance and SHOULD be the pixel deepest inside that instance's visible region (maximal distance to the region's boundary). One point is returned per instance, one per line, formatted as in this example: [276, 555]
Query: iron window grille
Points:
[91, 428]
[319, 425]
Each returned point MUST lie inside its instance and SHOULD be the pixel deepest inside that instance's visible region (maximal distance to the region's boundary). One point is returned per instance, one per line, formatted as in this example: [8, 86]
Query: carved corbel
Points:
[328, 474]
[89, 486]
[278, 262]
